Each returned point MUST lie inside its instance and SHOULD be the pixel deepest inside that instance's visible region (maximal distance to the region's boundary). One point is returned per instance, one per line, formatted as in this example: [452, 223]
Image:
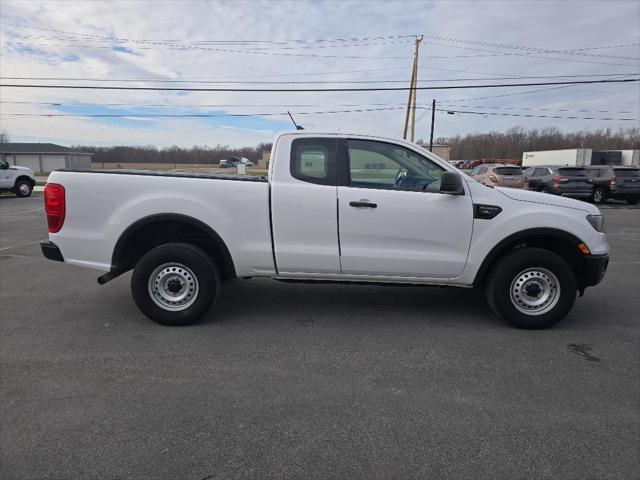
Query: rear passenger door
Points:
[303, 206]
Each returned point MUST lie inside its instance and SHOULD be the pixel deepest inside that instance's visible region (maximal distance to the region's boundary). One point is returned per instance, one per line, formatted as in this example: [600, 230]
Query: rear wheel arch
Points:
[154, 230]
[555, 240]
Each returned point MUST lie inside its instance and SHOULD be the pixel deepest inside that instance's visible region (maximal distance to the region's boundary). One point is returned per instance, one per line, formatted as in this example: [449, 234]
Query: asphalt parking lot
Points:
[300, 381]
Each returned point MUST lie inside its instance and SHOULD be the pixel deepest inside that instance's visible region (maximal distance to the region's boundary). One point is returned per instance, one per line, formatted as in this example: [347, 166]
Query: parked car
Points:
[621, 183]
[19, 180]
[320, 216]
[500, 175]
[558, 180]
[236, 160]
[223, 163]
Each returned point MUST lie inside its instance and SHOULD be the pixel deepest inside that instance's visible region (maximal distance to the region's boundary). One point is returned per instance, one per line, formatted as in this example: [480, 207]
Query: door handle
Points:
[363, 204]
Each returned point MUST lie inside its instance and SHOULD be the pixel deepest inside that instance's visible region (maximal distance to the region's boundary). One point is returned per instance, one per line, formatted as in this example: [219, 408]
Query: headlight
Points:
[597, 222]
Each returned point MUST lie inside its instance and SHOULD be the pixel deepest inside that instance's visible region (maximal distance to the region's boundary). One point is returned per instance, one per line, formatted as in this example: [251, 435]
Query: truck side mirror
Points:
[451, 184]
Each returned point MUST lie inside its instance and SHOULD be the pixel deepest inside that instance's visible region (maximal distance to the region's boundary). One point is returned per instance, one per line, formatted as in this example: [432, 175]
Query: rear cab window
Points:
[313, 160]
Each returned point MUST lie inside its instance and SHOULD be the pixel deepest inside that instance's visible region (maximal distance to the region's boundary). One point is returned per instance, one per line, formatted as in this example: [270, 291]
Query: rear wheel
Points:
[600, 195]
[175, 284]
[531, 288]
[23, 188]
[633, 200]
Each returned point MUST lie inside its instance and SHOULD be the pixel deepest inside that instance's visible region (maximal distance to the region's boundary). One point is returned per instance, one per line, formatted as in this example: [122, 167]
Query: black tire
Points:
[545, 190]
[511, 267]
[195, 269]
[23, 188]
[633, 200]
[600, 196]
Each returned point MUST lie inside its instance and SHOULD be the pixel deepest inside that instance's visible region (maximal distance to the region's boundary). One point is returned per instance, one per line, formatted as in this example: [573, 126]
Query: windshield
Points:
[508, 171]
[573, 172]
[627, 173]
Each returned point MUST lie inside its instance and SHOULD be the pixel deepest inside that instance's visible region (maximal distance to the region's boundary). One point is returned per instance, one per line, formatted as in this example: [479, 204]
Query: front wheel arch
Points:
[557, 241]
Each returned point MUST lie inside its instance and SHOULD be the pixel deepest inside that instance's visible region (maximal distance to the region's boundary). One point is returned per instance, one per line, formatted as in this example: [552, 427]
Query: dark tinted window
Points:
[540, 172]
[508, 171]
[627, 173]
[573, 172]
[313, 160]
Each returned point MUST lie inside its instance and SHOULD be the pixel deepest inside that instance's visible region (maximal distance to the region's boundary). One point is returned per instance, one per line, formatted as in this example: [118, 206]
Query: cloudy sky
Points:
[255, 44]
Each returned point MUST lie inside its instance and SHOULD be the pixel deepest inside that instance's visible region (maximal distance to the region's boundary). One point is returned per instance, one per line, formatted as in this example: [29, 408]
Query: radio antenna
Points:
[298, 127]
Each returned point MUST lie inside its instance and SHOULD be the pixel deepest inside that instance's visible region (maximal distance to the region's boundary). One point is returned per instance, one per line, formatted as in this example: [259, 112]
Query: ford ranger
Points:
[333, 208]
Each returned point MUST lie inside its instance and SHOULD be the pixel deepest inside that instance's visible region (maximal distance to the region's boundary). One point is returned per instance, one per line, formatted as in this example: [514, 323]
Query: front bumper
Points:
[51, 251]
[595, 267]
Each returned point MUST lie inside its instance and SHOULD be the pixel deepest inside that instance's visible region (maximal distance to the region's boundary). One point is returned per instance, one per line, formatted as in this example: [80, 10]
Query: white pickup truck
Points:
[19, 180]
[334, 208]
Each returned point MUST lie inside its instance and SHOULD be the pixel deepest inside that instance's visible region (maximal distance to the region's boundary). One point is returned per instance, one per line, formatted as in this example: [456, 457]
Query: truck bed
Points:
[102, 204]
[171, 173]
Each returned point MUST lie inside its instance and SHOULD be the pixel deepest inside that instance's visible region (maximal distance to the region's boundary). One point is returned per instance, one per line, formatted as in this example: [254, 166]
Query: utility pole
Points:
[433, 121]
[411, 103]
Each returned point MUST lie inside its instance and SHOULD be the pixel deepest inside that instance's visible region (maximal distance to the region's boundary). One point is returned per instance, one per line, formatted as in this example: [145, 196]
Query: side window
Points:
[539, 172]
[313, 160]
[397, 168]
[483, 170]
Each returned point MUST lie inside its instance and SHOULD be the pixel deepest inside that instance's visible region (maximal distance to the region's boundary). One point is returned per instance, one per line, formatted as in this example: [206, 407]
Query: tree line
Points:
[198, 154]
[512, 143]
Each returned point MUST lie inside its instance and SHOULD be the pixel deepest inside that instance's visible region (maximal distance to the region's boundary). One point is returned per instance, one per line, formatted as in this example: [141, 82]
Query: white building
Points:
[581, 157]
[44, 157]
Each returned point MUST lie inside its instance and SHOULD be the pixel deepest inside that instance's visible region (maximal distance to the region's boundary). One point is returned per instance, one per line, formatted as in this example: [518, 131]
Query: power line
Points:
[293, 90]
[283, 105]
[531, 115]
[338, 41]
[192, 115]
[178, 45]
[136, 80]
[323, 112]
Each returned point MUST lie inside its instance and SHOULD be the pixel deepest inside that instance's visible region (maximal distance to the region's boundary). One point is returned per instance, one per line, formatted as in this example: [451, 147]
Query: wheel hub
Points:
[173, 286]
[535, 291]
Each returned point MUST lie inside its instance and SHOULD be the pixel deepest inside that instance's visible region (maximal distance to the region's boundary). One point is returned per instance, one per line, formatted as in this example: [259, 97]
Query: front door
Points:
[393, 222]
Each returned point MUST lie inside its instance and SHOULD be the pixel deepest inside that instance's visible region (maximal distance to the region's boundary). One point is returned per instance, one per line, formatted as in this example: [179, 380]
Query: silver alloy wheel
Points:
[24, 188]
[535, 291]
[173, 287]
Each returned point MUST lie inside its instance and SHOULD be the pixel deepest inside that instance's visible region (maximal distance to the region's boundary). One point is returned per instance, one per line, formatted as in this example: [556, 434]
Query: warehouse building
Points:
[582, 157]
[43, 157]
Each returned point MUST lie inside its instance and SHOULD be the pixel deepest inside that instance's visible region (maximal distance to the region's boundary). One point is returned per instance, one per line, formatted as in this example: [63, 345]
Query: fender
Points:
[521, 235]
[134, 228]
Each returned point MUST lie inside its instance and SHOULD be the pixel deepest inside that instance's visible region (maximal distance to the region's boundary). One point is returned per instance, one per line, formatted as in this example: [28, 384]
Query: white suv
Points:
[19, 180]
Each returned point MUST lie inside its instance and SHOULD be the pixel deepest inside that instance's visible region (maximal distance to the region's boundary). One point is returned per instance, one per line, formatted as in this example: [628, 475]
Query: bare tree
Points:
[4, 137]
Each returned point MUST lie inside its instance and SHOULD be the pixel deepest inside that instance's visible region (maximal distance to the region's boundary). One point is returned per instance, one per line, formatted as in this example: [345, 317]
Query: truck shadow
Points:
[309, 303]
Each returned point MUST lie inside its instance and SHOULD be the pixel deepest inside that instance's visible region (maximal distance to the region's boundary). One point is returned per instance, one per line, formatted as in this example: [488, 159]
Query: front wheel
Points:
[531, 288]
[23, 188]
[175, 284]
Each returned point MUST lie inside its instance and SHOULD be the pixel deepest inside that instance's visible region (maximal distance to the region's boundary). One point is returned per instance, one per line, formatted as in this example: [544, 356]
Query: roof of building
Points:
[37, 148]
